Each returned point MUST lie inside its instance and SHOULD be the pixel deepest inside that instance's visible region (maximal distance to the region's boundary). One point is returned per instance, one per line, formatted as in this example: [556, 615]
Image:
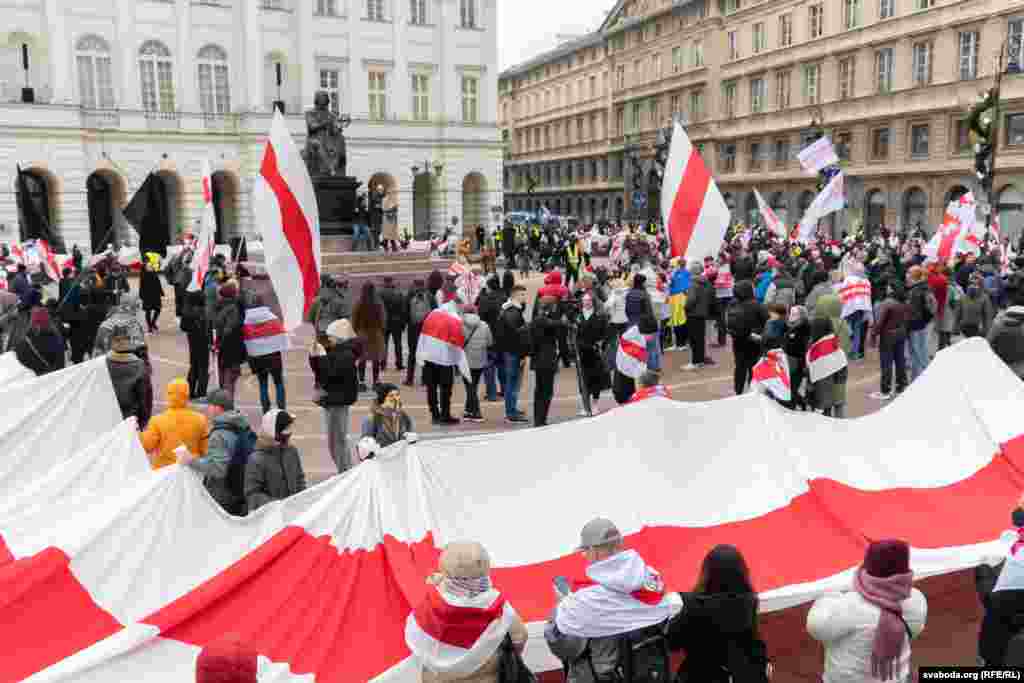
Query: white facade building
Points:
[126, 87]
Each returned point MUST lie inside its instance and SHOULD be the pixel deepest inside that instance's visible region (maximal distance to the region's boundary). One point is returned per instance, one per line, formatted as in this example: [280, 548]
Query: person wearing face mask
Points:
[387, 423]
[274, 471]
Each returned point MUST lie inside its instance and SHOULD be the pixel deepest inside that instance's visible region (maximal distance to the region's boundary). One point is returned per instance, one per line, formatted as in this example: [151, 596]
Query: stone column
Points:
[253, 56]
[126, 56]
[186, 80]
[309, 81]
[60, 53]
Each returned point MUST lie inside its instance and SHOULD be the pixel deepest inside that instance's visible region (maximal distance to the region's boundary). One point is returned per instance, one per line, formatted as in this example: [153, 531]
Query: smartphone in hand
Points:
[562, 588]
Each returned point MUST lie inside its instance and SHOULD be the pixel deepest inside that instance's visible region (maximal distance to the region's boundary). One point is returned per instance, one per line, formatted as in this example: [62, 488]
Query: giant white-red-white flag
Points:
[288, 219]
[771, 373]
[693, 211]
[207, 233]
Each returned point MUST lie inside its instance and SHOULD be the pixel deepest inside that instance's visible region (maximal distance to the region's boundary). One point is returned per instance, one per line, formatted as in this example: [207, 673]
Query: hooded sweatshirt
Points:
[126, 314]
[1007, 338]
[177, 426]
[224, 434]
[478, 338]
[133, 386]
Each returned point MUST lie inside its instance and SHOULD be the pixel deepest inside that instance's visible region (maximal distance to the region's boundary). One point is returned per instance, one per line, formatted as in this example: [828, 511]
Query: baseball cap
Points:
[220, 398]
[599, 531]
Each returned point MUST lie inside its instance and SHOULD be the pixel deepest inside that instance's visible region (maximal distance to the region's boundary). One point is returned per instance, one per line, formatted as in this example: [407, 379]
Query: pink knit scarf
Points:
[887, 594]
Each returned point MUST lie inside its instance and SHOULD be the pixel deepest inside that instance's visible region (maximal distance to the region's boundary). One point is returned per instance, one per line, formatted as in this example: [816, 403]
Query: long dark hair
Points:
[435, 281]
[724, 571]
[368, 314]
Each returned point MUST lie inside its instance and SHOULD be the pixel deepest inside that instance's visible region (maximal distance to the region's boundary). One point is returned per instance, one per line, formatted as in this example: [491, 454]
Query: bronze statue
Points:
[325, 145]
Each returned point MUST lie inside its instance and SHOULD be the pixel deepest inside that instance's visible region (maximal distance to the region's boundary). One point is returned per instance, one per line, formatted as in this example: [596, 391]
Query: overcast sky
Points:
[528, 27]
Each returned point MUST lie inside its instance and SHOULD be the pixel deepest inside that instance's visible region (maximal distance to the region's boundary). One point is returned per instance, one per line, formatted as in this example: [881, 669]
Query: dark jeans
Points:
[394, 335]
[264, 379]
[412, 336]
[543, 391]
[472, 406]
[944, 339]
[723, 306]
[681, 335]
[198, 364]
[746, 359]
[229, 379]
[971, 330]
[439, 380]
[697, 329]
[152, 314]
[494, 373]
[511, 363]
[893, 352]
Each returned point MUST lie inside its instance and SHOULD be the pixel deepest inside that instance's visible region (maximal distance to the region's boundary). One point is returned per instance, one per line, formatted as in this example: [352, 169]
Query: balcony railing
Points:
[101, 119]
[163, 120]
[221, 123]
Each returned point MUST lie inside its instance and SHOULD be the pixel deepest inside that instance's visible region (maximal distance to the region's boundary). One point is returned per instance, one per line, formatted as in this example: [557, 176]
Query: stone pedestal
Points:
[336, 197]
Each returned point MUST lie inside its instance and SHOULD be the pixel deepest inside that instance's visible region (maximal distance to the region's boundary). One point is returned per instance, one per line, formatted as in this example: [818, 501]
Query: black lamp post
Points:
[28, 95]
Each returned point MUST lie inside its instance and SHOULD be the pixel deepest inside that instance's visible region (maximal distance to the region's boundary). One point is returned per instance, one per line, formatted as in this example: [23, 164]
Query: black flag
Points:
[147, 213]
[35, 223]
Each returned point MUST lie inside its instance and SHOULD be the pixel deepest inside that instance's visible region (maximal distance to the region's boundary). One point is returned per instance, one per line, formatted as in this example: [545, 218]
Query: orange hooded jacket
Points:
[176, 426]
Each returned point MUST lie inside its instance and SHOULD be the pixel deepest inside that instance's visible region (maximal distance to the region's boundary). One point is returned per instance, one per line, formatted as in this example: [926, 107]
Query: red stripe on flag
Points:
[297, 230]
[633, 350]
[826, 346]
[687, 204]
[455, 626]
[270, 328]
[48, 613]
[444, 327]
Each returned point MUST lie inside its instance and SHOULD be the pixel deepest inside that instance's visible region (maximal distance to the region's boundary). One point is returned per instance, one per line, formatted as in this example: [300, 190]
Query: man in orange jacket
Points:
[177, 426]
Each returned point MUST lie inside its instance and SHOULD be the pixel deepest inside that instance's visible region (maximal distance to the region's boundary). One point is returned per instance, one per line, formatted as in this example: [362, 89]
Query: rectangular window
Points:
[851, 14]
[884, 67]
[619, 125]
[620, 76]
[922, 63]
[727, 156]
[673, 105]
[961, 143]
[579, 130]
[919, 140]
[326, 8]
[847, 76]
[969, 55]
[593, 87]
[729, 100]
[375, 10]
[812, 73]
[420, 97]
[885, 8]
[1015, 129]
[757, 93]
[467, 13]
[697, 105]
[418, 12]
[781, 153]
[732, 6]
[923, 4]
[760, 41]
[843, 145]
[880, 143]
[697, 55]
[637, 71]
[816, 20]
[377, 88]
[1015, 34]
[157, 81]
[330, 83]
[677, 59]
[785, 30]
[470, 99]
[656, 66]
[755, 156]
[634, 120]
[782, 84]
[734, 50]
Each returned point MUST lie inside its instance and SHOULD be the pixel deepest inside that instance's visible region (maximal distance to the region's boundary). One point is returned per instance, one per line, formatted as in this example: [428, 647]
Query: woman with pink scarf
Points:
[867, 631]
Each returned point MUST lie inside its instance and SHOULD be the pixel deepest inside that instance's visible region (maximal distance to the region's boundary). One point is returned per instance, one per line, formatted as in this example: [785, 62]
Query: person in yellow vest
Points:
[573, 253]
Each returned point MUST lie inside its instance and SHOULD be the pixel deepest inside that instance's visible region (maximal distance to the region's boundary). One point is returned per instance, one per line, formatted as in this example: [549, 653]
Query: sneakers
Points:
[517, 420]
[709, 361]
[448, 421]
[583, 413]
[691, 366]
[879, 396]
[670, 348]
[470, 417]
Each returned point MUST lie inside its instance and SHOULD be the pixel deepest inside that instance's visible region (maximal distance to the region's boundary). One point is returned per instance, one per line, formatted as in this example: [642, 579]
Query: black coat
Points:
[718, 632]
[545, 336]
[228, 318]
[590, 338]
[396, 306]
[42, 352]
[151, 292]
[507, 335]
[336, 375]
[1004, 615]
[700, 300]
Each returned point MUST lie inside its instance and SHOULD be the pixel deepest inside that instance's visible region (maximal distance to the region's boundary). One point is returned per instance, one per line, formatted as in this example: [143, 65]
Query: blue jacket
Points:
[764, 280]
[680, 282]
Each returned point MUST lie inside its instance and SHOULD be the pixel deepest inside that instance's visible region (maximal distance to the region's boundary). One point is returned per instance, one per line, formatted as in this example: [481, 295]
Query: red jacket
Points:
[940, 288]
[553, 286]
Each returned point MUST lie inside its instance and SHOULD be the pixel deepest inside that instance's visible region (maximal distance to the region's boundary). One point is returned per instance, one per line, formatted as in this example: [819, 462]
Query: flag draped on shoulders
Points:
[631, 359]
[456, 635]
[855, 295]
[771, 373]
[693, 210]
[825, 358]
[442, 341]
[288, 220]
[263, 332]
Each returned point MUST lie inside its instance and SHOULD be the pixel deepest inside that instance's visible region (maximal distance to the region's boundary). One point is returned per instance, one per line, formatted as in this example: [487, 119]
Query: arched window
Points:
[156, 77]
[915, 209]
[874, 210]
[95, 76]
[214, 86]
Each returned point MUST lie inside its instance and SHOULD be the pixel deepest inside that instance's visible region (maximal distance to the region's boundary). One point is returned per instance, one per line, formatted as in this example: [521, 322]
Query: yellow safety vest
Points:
[572, 254]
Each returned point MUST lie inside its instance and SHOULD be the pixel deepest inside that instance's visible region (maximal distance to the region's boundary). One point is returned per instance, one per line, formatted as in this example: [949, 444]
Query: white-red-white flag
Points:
[48, 260]
[771, 221]
[949, 240]
[693, 211]
[288, 219]
[18, 253]
[263, 332]
[207, 241]
[771, 373]
[825, 358]
[631, 359]
[457, 636]
[442, 341]
[829, 200]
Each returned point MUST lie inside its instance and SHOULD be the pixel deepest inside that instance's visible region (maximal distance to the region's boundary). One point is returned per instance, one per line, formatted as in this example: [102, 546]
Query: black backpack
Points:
[245, 444]
[643, 657]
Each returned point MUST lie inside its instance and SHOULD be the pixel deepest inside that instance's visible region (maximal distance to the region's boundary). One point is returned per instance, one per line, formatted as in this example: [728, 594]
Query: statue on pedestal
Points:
[325, 145]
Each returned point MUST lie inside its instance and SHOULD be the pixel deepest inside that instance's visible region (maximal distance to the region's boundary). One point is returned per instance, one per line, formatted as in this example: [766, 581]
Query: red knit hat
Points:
[226, 661]
[886, 558]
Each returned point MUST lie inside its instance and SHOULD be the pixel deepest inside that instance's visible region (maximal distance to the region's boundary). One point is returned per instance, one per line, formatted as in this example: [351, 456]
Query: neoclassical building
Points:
[890, 81]
[124, 88]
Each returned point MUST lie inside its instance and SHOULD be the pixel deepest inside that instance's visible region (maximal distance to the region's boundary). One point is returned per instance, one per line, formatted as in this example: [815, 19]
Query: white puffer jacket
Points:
[845, 624]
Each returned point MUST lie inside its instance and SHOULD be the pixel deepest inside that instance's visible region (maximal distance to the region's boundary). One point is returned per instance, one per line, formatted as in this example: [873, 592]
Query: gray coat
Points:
[819, 290]
[224, 434]
[604, 652]
[274, 472]
[478, 339]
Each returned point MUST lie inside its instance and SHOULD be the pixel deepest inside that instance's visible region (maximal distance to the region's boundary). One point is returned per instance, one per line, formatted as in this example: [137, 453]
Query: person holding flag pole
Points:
[203, 254]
